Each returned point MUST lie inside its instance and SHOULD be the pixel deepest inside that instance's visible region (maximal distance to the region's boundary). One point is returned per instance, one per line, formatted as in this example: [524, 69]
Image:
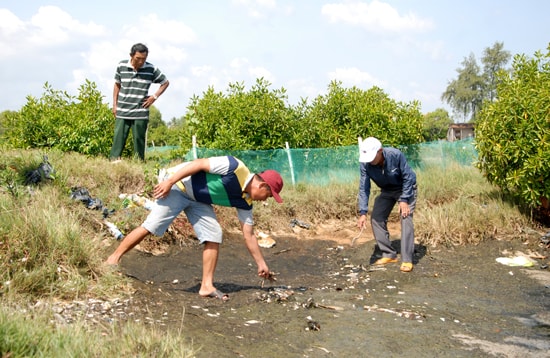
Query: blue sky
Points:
[410, 49]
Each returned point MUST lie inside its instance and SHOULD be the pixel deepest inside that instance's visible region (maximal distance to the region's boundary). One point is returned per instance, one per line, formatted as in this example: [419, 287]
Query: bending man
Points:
[388, 168]
[193, 187]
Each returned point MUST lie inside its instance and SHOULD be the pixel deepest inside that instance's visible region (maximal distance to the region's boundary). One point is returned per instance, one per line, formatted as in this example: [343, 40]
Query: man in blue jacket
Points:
[388, 168]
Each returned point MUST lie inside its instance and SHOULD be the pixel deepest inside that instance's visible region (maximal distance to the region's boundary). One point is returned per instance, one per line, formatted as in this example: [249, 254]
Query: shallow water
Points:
[328, 301]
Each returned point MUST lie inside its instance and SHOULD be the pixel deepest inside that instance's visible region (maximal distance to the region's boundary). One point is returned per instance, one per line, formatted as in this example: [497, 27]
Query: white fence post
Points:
[290, 163]
[194, 147]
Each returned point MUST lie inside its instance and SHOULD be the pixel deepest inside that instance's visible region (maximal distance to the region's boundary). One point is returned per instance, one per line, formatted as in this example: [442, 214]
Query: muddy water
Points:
[328, 302]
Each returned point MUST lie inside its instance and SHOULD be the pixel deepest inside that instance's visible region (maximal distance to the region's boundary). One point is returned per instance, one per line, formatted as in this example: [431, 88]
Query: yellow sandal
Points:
[385, 261]
[406, 267]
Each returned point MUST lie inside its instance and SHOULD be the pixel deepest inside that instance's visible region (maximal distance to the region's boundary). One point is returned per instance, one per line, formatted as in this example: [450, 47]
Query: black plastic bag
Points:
[44, 171]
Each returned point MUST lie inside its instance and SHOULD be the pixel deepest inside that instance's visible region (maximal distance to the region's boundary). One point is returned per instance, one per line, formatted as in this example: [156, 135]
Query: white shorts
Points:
[200, 215]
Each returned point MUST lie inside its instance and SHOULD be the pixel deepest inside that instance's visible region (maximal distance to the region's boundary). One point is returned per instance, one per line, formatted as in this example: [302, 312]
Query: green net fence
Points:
[441, 154]
[322, 166]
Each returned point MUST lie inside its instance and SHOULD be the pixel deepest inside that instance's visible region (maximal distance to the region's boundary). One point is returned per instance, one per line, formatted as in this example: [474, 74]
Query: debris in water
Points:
[265, 240]
[312, 325]
[400, 313]
[523, 261]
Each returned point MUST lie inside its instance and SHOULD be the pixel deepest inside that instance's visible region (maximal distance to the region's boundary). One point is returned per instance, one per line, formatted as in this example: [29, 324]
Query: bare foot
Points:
[217, 294]
[205, 290]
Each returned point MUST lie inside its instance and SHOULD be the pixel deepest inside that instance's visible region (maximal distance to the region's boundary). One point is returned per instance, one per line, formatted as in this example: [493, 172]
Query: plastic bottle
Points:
[148, 204]
[137, 200]
[142, 201]
[114, 230]
[126, 200]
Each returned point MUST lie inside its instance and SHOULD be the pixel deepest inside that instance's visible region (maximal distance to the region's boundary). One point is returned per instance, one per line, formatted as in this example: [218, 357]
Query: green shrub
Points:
[513, 133]
[257, 119]
[347, 113]
[82, 124]
[260, 119]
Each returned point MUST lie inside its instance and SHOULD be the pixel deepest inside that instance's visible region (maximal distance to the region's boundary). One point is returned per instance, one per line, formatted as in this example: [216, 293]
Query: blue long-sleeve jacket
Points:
[394, 174]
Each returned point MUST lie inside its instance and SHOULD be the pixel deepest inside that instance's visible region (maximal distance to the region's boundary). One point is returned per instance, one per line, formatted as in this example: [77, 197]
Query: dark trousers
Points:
[139, 134]
[383, 205]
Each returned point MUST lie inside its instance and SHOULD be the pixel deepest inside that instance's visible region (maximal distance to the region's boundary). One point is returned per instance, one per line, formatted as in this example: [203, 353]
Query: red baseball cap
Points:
[275, 182]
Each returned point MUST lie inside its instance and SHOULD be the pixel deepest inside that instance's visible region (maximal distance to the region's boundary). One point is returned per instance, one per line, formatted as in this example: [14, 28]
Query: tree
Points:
[82, 124]
[473, 87]
[513, 133]
[177, 122]
[257, 119]
[436, 124]
[494, 60]
[155, 118]
[261, 119]
[4, 118]
[174, 134]
[347, 113]
[465, 94]
[156, 129]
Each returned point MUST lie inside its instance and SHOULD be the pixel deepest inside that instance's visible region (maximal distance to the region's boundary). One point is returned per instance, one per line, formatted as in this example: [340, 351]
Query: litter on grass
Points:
[113, 229]
[81, 194]
[135, 199]
[302, 224]
[44, 171]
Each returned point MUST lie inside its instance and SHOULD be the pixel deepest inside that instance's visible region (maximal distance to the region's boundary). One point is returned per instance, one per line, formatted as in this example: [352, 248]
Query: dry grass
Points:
[23, 336]
[455, 207]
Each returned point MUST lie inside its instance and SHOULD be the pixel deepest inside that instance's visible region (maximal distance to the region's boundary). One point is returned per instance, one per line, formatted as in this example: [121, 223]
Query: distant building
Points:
[458, 131]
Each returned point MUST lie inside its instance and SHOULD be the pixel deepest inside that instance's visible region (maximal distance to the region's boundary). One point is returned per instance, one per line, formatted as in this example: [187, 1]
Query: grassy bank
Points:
[24, 336]
[52, 246]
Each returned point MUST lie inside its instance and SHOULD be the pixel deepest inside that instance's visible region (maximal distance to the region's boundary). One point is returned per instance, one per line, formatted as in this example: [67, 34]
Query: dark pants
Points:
[383, 205]
[139, 134]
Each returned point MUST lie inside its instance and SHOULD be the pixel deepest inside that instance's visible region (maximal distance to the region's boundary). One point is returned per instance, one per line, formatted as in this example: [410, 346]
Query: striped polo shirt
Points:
[223, 185]
[134, 88]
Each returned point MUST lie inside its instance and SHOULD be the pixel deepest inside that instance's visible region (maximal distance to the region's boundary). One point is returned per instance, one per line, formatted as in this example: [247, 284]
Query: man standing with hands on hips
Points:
[131, 100]
[388, 168]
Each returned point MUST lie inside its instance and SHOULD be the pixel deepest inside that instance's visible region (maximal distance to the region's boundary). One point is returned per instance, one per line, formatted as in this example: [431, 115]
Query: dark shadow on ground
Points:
[419, 252]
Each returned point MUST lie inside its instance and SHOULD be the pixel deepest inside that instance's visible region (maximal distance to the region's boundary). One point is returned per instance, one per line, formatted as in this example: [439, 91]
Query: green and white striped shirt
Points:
[134, 89]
